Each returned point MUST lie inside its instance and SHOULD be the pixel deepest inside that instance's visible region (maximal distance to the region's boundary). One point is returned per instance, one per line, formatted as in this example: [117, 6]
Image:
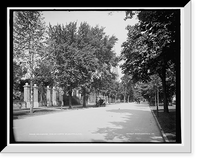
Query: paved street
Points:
[123, 122]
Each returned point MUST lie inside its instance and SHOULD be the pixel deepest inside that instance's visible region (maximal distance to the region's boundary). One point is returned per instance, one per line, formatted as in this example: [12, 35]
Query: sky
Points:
[113, 22]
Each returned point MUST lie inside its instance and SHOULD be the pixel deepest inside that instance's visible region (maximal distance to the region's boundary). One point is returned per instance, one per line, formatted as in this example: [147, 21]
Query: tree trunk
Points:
[84, 96]
[70, 98]
[31, 86]
[163, 78]
[124, 98]
[31, 82]
[95, 96]
[41, 102]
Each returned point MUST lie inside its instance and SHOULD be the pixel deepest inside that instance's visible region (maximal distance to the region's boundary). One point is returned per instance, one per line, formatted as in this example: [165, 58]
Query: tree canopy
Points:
[28, 43]
[80, 56]
[153, 47]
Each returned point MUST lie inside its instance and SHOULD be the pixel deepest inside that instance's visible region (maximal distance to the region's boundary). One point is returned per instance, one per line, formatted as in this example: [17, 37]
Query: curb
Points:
[160, 128]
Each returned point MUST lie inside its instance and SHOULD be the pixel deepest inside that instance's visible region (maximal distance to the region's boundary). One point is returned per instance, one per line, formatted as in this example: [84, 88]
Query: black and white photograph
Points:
[96, 76]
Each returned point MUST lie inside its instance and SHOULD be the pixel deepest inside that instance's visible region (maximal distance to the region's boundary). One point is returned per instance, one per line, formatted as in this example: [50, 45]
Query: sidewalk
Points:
[25, 112]
[17, 113]
[90, 105]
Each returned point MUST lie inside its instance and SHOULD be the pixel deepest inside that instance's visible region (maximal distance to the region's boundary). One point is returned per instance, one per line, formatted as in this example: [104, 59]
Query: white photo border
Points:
[186, 109]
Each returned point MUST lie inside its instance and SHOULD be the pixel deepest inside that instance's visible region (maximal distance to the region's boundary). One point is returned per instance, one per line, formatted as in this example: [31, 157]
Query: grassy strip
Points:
[168, 123]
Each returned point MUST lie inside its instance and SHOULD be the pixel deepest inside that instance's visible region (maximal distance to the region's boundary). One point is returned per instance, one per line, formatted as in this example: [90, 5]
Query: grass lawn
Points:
[168, 123]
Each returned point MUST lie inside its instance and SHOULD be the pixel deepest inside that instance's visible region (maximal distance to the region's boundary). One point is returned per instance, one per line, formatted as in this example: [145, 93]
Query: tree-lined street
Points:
[74, 62]
[124, 122]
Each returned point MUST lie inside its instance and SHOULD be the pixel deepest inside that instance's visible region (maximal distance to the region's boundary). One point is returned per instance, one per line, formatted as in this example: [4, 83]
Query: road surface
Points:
[123, 122]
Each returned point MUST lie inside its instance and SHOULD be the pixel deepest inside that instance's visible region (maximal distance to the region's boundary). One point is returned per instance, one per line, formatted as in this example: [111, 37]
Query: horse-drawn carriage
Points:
[100, 102]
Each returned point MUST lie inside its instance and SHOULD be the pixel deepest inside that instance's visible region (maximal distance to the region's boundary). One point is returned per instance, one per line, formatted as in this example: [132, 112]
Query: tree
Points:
[104, 57]
[149, 89]
[151, 43]
[125, 85]
[64, 55]
[28, 37]
[88, 63]
[134, 53]
[80, 57]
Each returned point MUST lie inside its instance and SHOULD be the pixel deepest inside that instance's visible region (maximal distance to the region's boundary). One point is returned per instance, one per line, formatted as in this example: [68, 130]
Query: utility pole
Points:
[155, 98]
[157, 90]
[156, 85]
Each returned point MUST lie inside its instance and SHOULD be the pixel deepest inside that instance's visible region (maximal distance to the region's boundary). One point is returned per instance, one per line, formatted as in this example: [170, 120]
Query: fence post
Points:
[61, 93]
[48, 96]
[35, 94]
[54, 97]
[27, 95]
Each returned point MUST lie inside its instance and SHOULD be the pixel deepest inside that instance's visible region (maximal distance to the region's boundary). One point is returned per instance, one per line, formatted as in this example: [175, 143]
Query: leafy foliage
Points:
[28, 43]
[28, 34]
[80, 57]
[153, 47]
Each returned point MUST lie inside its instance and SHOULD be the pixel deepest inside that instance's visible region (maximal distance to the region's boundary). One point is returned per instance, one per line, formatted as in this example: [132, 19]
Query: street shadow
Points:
[135, 126]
